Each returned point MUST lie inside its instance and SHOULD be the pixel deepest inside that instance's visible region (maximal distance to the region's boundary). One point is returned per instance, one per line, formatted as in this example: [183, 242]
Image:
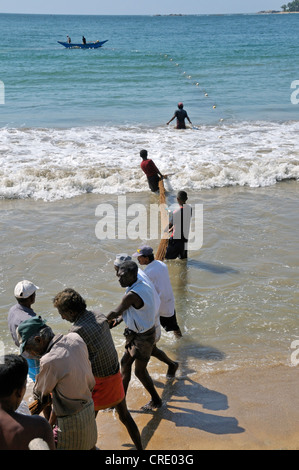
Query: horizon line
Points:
[148, 14]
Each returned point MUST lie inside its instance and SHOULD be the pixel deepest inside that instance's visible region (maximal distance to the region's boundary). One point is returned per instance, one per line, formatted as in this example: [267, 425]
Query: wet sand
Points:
[253, 409]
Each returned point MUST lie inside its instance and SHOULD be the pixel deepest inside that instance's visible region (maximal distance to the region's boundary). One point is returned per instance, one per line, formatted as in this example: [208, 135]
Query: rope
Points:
[161, 251]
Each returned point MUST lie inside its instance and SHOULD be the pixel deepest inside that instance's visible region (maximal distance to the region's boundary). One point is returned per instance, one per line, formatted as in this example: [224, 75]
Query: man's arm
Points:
[45, 383]
[130, 299]
[170, 120]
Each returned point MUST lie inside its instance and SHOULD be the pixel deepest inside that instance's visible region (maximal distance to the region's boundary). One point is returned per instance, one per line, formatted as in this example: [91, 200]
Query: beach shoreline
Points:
[236, 301]
[253, 409]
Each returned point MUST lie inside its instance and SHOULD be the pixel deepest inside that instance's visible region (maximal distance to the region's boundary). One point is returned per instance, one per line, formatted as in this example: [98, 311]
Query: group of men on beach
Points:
[77, 374]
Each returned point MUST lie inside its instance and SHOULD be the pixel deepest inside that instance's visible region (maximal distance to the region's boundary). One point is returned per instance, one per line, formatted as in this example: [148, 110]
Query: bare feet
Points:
[151, 405]
[172, 370]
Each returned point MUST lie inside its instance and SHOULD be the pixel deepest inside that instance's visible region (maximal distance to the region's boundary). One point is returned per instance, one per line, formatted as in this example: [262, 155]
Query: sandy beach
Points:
[254, 409]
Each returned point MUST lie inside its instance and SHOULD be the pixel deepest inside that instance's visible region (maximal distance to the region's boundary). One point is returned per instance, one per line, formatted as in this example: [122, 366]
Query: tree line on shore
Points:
[291, 6]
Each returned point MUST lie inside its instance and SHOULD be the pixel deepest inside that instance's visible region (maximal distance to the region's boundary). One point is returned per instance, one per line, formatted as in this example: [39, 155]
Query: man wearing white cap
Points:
[25, 292]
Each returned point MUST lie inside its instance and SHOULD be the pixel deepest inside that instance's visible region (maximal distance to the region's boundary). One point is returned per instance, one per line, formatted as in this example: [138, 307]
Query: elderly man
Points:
[156, 352]
[137, 309]
[94, 330]
[65, 374]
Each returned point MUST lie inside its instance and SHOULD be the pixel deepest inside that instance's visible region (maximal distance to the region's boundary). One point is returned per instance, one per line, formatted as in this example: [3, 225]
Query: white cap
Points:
[121, 258]
[24, 289]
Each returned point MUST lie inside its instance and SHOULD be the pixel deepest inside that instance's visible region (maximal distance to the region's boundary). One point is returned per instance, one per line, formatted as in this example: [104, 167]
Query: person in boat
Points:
[180, 114]
[69, 40]
[83, 40]
[152, 173]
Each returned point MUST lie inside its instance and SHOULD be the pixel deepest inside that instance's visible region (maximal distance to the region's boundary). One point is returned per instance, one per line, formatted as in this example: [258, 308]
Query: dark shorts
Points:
[169, 323]
[180, 125]
[153, 182]
[176, 249]
[140, 345]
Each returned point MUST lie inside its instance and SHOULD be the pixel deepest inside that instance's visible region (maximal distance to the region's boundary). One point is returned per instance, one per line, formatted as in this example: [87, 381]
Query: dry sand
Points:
[256, 409]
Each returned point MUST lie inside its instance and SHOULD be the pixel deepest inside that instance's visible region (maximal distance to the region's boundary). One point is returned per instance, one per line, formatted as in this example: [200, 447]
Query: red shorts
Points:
[108, 391]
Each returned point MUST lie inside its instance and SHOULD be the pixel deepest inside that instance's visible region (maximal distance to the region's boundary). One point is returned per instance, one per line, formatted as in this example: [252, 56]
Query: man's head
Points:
[34, 336]
[25, 292]
[143, 154]
[180, 105]
[127, 273]
[13, 376]
[144, 254]
[119, 259]
[69, 304]
[182, 197]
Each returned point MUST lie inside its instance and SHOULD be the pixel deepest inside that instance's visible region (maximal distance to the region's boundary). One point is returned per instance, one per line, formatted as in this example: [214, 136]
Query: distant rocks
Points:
[268, 12]
[172, 14]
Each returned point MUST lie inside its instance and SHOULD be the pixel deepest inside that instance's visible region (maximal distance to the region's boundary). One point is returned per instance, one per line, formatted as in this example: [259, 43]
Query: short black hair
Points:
[13, 373]
[143, 154]
[182, 195]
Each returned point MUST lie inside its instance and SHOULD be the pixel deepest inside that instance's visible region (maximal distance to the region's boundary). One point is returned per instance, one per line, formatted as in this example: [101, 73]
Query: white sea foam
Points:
[52, 164]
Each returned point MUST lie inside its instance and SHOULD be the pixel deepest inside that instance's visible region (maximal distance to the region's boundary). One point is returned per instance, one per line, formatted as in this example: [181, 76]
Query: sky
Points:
[139, 7]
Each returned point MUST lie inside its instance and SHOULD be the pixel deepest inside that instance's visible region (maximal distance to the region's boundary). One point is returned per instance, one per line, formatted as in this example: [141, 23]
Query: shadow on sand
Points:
[182, 396]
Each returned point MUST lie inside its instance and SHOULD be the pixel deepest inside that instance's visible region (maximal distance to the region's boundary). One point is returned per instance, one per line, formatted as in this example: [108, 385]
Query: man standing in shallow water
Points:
[152, 173]
[180, 114]
[137, 309]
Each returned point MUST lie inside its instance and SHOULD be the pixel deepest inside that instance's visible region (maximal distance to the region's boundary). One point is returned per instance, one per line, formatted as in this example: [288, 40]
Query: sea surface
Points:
[72, 123]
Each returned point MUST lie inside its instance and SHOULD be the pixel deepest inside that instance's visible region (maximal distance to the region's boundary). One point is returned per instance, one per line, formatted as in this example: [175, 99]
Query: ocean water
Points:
[71, 128]
[74, 121]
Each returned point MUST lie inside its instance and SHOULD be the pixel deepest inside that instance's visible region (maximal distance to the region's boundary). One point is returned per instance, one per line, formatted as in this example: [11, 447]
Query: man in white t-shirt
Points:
[156, 352]
[157, 272]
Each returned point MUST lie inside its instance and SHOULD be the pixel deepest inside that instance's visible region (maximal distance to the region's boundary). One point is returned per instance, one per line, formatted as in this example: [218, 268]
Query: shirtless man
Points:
[17, 430]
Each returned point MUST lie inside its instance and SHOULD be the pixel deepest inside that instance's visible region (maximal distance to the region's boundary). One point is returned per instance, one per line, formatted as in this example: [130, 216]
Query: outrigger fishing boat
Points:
[88, 45]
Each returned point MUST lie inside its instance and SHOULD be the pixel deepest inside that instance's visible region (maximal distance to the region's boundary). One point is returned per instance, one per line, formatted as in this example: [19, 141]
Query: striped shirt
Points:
[94, 330]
